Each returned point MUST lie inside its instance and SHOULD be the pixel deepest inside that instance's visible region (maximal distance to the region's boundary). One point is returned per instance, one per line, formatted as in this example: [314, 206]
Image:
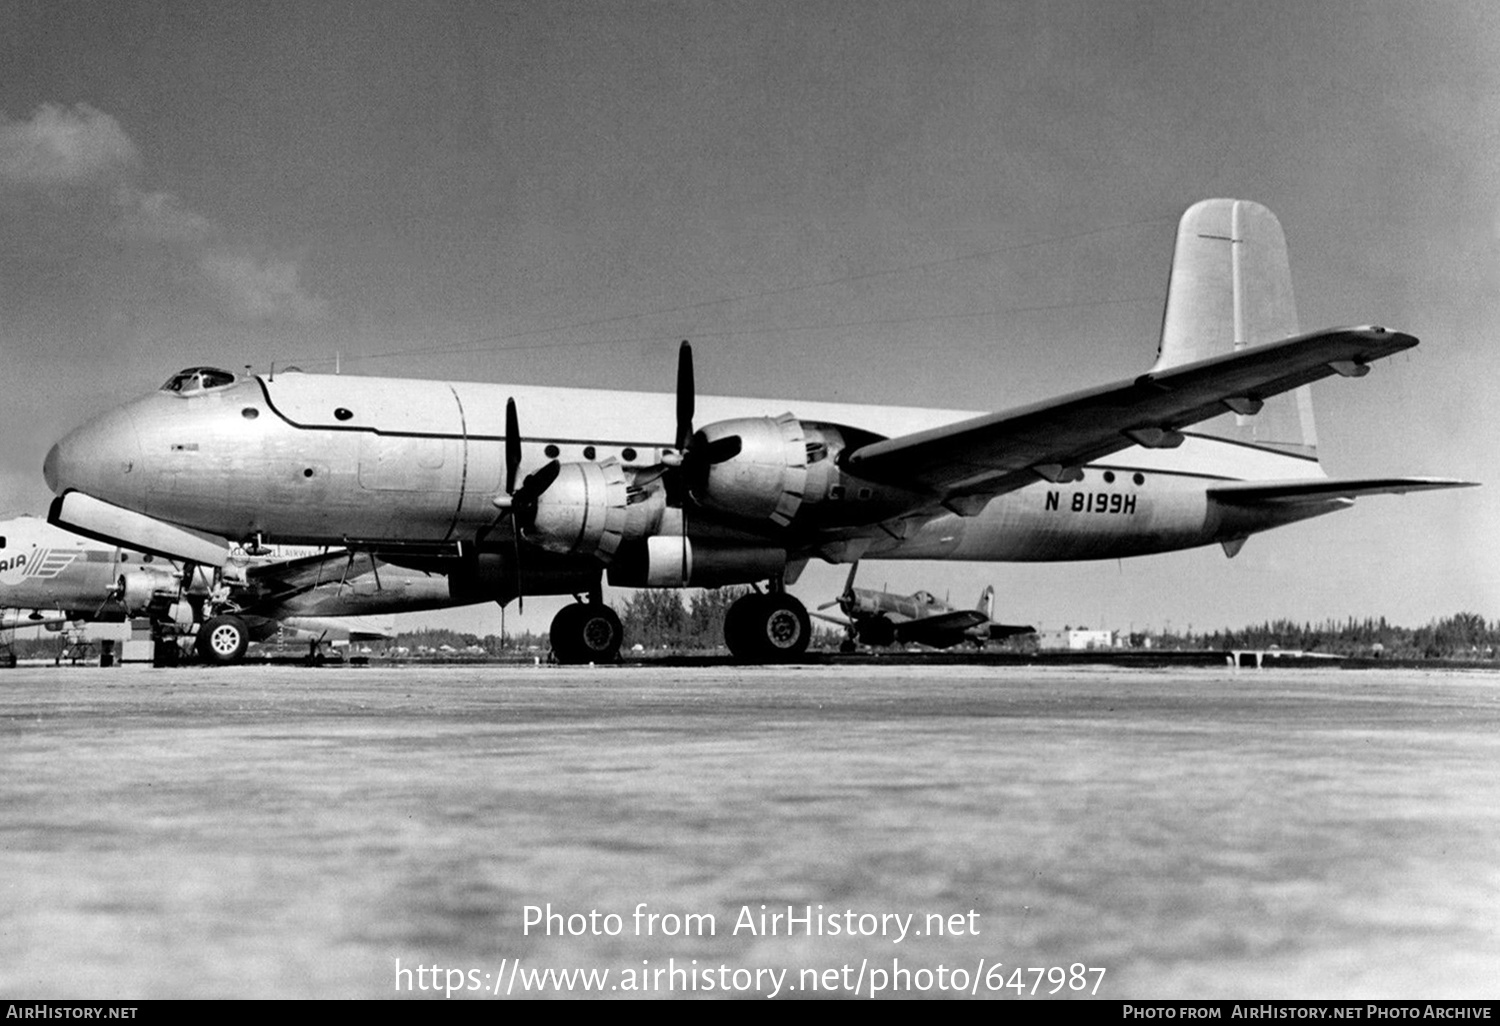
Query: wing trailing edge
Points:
[1263, 493]
[999, 452]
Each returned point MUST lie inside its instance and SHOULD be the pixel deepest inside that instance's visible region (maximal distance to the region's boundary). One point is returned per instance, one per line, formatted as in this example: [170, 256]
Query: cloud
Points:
[159, 217]
[65, 146]
[67, 150]
[260, 287]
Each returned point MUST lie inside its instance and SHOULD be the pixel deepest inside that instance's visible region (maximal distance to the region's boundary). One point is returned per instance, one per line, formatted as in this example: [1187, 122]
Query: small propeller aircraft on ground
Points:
[522, 489]
[52, 578]
[880, 619]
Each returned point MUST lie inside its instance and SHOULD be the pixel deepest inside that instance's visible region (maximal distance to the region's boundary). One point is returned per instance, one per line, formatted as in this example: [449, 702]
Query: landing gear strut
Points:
[767, 628]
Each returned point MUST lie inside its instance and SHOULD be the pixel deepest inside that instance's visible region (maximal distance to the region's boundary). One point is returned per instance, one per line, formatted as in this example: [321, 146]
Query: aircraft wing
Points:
[344, 628]
[996, 453]
[277, 580]
[941, 630]
[1288, 492]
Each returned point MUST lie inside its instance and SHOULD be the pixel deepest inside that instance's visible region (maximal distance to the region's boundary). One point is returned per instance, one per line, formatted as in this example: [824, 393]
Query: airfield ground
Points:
[1196, 833]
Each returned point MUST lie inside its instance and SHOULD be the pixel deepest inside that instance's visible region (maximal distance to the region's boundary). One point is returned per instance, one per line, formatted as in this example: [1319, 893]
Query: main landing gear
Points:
[761, 627]
[586, 632]
[771, 627]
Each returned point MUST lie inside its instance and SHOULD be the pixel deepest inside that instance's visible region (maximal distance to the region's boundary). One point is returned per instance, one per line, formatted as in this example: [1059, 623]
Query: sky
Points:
[950, 204]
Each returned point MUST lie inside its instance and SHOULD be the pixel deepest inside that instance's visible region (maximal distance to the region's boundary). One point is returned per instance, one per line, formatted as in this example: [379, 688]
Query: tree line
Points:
[1460, 636]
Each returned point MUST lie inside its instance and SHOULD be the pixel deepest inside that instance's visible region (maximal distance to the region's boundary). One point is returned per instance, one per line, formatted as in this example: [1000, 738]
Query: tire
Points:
[564, 634]
[741, 628]
[877, 631]
[785, 629]
[767, 629]
[598, 633]
[223, 640]
[586, 632]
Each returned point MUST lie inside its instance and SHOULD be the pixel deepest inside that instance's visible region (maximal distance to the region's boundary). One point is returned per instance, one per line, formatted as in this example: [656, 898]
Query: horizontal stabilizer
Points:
[1001, 631]
[1282, 492]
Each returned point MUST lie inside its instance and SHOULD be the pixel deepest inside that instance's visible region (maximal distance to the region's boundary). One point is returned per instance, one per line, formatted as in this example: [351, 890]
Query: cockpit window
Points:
[197, 379]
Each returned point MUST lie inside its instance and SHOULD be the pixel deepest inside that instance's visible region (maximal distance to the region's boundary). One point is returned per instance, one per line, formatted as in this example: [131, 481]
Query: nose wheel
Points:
[772, 628]
[223, 640]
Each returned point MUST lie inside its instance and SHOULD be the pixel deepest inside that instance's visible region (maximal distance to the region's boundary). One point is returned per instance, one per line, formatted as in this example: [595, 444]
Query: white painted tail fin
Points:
[1231, 287]
[987, 602]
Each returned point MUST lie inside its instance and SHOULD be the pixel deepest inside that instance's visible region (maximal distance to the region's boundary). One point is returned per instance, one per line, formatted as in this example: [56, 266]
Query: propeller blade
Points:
[536, 483]
[720, 450]
[685, 395]
[512, 445]
[849, 584]
[515, 538]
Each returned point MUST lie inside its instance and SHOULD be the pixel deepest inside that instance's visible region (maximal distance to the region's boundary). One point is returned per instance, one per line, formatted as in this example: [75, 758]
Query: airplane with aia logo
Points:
[53, 578]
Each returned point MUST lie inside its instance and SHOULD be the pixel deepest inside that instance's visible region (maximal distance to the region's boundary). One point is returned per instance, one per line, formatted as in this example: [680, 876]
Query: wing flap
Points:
[998, 452]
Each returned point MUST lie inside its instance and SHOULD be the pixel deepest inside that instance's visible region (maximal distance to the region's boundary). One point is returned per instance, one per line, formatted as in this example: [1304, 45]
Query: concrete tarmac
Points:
[367, 832]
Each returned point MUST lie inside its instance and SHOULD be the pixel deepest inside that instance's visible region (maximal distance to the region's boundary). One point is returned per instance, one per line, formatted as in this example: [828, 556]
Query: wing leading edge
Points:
[996, 453]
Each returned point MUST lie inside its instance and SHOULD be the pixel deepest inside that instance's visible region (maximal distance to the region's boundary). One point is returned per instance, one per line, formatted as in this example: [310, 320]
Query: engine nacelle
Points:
[147, 591]
[766, 477]
[588, 510]
[671, 561]
[783, 472]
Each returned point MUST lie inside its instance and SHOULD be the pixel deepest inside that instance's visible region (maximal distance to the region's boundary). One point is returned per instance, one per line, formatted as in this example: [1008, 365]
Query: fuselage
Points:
[44, 567]
[327, 459]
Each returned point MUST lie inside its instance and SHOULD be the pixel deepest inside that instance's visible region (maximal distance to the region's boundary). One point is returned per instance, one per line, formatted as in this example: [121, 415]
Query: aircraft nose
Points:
[100, 458]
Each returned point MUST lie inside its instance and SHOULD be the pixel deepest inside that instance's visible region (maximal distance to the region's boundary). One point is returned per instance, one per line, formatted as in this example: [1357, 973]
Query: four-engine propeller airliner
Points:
[53, 577]
[513, 490]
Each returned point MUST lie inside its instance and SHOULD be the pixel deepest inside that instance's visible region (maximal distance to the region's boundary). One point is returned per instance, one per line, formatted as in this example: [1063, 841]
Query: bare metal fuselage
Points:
[332, 459]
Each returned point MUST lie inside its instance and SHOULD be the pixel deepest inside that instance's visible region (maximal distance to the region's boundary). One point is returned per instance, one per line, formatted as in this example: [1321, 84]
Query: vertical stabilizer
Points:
[987, 602]
[1231, 287]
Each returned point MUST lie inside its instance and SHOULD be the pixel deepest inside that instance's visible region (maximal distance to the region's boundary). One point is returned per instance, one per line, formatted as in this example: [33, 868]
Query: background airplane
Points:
[50, 577]
[880, 618]
[1212, 444]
